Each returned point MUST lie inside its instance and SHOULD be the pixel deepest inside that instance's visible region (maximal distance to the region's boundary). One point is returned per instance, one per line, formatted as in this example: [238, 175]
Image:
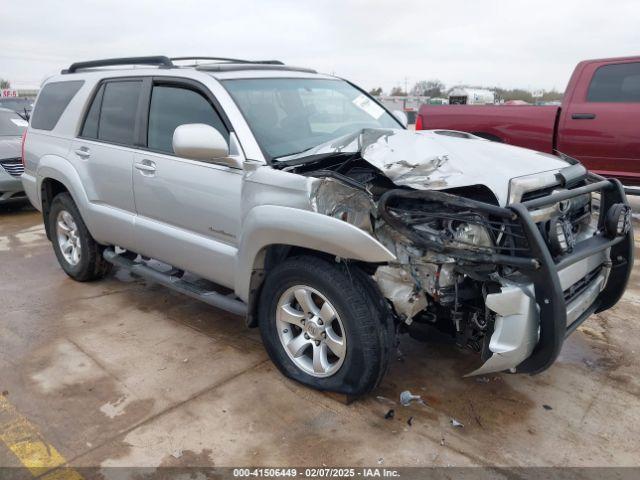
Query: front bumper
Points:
[11, 189]
[534, 317]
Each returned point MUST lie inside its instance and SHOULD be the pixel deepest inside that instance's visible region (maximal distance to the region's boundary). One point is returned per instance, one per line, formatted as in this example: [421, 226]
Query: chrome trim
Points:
[581, 303]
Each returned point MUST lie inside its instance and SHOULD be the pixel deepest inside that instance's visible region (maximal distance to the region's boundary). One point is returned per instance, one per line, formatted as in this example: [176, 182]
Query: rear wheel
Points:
[79, 255]
[325, 326]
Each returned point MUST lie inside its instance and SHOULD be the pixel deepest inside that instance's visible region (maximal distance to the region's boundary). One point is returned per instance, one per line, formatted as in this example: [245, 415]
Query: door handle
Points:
[146, 166]
[83, 153]
[583, 116]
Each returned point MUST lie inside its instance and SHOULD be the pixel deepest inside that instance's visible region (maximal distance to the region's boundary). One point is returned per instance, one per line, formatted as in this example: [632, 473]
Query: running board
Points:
[176, 283]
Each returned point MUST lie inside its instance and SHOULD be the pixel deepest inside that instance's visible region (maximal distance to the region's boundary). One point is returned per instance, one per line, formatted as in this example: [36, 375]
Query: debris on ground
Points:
[380, 398]
[442, 441]
[456, 423]
[547, 407]
[185, 360]
[407, 397]
[5, 393]
[177, 453]
[483, 379]
[380, 461]
[390, 414]
[410, 421]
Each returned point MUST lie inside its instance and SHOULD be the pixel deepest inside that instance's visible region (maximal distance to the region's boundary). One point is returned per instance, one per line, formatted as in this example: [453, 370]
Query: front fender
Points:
[270, 225]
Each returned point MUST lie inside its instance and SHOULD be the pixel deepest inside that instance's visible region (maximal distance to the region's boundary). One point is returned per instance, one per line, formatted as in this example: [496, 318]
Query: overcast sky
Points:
[510, 43]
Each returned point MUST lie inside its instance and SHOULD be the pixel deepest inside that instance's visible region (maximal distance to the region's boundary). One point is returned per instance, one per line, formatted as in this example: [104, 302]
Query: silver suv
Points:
[296, 200]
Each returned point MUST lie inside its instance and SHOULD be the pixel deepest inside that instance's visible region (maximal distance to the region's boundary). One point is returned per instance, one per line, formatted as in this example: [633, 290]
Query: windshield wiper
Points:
[293, 154]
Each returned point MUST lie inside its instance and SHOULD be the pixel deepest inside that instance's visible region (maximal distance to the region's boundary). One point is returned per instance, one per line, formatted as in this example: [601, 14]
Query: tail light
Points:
[419, 123]
[24, 138]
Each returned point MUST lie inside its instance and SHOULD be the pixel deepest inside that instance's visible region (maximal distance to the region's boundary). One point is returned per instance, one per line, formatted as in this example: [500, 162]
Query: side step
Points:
[176, 283]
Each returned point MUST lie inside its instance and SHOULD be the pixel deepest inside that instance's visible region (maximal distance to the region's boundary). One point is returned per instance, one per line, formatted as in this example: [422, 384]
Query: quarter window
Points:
[52, 102]
[615, 83]
[174, 106]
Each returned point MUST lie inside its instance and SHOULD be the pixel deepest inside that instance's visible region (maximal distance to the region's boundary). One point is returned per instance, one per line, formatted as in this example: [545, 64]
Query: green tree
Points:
[5, 83]
[398, 92]
[376, 92]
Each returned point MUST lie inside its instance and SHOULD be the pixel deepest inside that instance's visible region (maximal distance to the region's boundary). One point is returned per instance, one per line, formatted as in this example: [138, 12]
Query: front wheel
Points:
[79, 255]
[325, 326]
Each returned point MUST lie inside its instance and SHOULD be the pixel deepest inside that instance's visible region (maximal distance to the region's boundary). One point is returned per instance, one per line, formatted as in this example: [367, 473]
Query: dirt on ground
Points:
[121, 373]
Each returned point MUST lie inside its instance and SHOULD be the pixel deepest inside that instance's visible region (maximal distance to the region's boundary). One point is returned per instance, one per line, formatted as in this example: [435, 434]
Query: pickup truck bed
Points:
[503, 123]
[597, 122]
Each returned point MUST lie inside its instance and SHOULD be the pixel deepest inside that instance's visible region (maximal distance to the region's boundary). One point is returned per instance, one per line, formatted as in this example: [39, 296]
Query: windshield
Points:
[291, 115]
[11, 124]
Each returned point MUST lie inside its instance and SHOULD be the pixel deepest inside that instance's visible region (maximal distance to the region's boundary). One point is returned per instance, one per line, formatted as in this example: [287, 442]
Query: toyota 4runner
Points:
[296, 200]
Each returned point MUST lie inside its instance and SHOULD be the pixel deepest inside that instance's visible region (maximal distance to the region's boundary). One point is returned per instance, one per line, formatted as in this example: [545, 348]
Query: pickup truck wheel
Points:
[325, 326]
[78, 253]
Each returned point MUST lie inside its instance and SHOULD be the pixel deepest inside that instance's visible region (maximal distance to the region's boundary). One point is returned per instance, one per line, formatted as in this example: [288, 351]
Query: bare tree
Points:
[428, 88]
[376, 92]
[398, 92]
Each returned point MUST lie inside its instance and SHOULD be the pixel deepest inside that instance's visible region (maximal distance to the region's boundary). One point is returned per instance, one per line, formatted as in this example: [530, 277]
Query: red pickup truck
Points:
[598, 122]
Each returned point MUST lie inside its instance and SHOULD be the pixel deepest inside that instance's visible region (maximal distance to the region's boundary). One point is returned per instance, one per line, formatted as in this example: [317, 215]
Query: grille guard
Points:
[548, 292]
[539, 267]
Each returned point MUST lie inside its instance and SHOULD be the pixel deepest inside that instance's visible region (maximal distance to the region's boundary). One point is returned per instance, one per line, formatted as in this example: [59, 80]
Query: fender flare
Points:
[59, 169]
[267, 225]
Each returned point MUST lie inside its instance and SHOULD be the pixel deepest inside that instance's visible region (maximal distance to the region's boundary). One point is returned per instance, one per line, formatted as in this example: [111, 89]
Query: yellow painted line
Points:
[25, 441]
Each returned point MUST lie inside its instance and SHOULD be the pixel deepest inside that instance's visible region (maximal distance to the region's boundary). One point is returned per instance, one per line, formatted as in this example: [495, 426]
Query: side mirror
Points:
[198, 141]
[402, 117]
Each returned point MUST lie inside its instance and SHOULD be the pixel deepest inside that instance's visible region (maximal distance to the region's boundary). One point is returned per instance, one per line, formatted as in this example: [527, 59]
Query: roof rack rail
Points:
[230, 60]
[230, 67]
[159, 60]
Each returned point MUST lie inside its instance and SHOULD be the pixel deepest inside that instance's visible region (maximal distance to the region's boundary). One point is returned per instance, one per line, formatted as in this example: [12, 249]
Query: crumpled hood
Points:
[434, 159]
[10, 147]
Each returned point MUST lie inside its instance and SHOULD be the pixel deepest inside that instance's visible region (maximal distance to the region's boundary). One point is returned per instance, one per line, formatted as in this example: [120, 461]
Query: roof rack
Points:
[230, 60]
[223, 64]
[158, 60]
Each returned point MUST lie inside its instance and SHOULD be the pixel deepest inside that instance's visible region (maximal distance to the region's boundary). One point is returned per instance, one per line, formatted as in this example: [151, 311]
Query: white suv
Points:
[311, 210]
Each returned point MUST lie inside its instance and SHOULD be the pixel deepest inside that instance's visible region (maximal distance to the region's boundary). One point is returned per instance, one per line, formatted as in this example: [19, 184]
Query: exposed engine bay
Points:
[456, 248]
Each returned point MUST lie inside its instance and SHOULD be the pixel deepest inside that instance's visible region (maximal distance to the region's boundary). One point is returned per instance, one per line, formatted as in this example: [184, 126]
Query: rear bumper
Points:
[530, 330]
[30, 185]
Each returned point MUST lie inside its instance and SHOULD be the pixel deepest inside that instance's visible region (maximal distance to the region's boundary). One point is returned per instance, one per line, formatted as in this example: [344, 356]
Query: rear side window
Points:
[53, 100]
[117, 118]
[90, 129]
[174, 106]
[615, 83]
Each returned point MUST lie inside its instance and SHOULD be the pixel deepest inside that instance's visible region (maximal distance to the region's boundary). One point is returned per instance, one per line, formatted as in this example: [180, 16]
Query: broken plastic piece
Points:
[456, 423]
[407, 397]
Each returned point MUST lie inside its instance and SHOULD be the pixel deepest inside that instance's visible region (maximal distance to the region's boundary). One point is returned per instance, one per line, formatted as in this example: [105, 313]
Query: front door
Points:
[188, 211]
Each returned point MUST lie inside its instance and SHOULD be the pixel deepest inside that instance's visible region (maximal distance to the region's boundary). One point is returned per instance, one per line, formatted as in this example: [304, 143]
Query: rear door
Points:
[104, 154]
[601, 126]
[188, 210]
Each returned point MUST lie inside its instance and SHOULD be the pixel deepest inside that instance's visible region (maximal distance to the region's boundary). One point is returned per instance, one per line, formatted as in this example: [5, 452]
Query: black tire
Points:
[368, 324]
[91, 265]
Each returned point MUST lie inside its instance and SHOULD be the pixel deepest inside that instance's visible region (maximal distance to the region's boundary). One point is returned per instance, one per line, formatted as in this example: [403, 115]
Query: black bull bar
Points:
[539, 266]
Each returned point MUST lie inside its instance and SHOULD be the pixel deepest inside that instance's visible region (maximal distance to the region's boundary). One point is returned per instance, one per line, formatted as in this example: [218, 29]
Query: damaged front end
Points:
[487, 271]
